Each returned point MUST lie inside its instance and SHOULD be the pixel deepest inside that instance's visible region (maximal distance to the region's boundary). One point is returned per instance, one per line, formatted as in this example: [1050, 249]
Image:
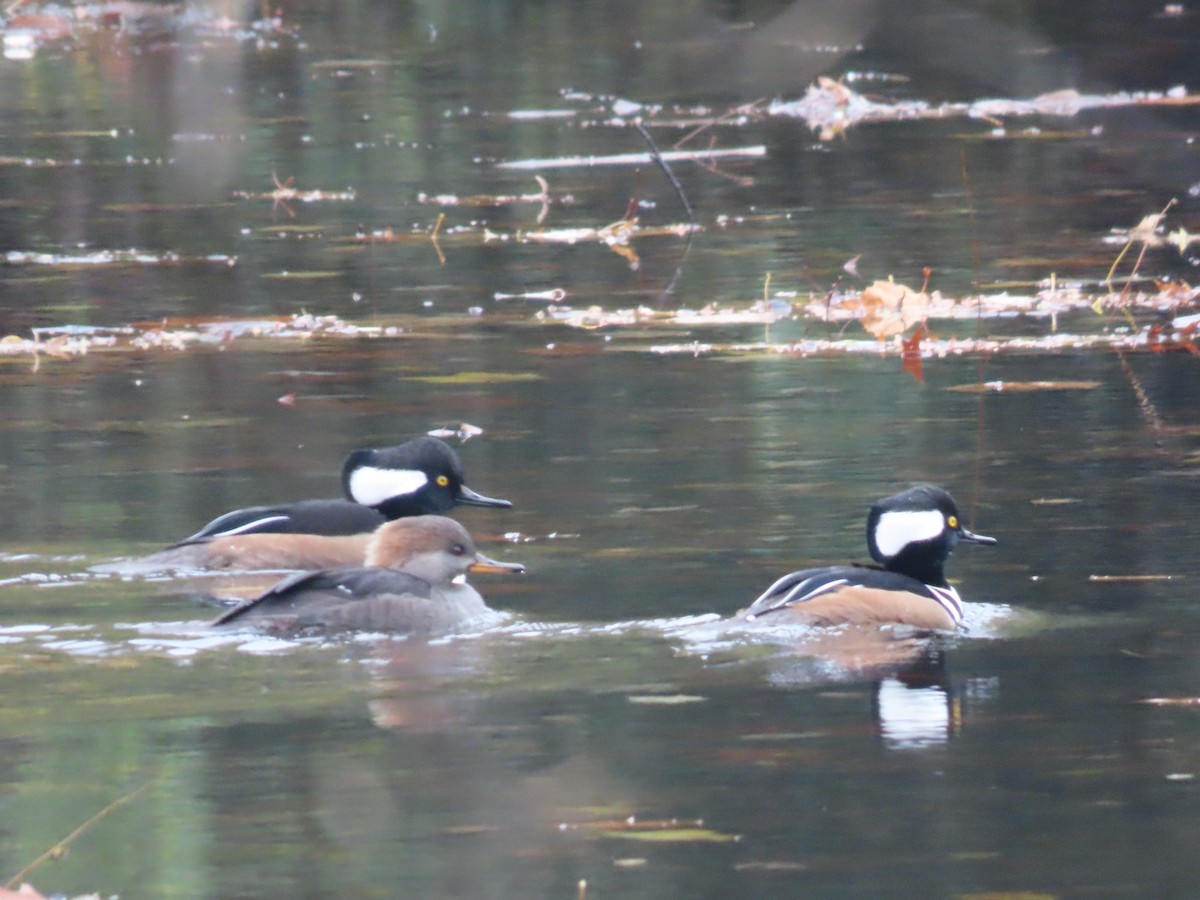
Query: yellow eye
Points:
[952, 521]
[442, 481]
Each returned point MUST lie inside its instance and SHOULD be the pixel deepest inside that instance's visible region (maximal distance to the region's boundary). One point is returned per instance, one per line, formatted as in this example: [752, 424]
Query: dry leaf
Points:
[887, 309]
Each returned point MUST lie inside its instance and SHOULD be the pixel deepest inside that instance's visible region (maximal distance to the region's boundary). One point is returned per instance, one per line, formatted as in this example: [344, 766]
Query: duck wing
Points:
[306, 593]
[327, 517]
[808, 584]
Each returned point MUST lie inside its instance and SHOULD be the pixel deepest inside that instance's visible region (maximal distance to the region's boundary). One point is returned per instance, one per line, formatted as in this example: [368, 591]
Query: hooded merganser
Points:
[910, 535]
[414, 582]
[419, 477]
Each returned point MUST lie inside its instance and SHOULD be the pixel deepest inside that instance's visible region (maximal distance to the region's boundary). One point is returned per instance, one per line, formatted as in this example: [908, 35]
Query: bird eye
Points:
[442, 481]
[952, 521]
[458, 550]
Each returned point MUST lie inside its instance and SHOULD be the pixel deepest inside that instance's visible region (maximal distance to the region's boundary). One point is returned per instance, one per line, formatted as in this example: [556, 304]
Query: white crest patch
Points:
[370, 486]
[896, 530]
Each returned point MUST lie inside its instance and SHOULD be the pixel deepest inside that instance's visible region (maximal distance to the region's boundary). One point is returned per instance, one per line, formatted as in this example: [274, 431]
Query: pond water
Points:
[614, 738]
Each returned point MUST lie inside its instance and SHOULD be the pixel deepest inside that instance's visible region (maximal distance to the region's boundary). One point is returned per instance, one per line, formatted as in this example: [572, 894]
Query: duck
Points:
[412, 582]
[910, 535]
[418, 477]
[423, 476]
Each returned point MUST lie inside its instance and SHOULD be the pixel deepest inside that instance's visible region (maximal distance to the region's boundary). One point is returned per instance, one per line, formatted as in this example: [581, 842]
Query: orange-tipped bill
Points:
[485, 564]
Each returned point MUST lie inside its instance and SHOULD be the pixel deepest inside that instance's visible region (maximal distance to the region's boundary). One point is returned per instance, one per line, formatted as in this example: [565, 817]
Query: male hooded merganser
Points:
[414, 582]
[419, 477]
[910, 535]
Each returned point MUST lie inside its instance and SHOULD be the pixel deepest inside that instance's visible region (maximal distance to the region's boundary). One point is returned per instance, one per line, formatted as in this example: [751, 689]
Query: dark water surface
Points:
[651, 492]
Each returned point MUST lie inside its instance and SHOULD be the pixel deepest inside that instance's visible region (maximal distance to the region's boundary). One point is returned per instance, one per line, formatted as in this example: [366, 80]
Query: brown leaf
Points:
[887, 308]
[910, 356]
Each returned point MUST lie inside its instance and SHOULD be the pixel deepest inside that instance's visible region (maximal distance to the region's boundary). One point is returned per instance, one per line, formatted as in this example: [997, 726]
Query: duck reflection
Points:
[917, 707]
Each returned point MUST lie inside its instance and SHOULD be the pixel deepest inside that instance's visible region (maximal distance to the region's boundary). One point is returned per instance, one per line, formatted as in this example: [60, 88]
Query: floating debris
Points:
[543, 198]
[180, 334]
[758, 313]
[831, 108]
[634, 159]
[285, 194]
[1124, 579]
[1023, 387]
[112, 258]
[463, 432]
[617, 236]
[653, 830]
[665, 699]
[25, 33]
[554, 295]
[1172, 701]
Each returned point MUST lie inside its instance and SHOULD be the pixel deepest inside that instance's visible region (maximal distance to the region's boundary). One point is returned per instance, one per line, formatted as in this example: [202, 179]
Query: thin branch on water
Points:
[1145, 405]
[657, 156]
[634, 159]
[56, 851]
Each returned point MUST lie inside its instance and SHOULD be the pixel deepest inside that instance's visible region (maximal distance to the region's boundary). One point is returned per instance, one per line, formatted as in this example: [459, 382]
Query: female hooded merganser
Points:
[419, 477]
[414, 582]
[911, 535]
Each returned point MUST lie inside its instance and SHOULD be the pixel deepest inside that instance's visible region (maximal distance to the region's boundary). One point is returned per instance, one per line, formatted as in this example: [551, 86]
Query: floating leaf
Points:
[910, 356]
[887, 309]
[675, 836]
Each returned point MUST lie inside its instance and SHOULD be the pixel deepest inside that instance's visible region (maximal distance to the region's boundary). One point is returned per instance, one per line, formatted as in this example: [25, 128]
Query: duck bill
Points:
[486, 564]
[468, 497]
[972, 538]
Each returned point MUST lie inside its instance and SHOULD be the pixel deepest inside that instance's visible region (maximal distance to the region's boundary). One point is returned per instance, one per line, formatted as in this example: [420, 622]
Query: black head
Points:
[419, 477]
[914, 532]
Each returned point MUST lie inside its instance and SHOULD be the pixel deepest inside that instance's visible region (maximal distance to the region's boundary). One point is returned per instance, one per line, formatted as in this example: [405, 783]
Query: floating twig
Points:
[634, 159]
[60, 848]
[1120, 579]
[554, 295]
[542, 197]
